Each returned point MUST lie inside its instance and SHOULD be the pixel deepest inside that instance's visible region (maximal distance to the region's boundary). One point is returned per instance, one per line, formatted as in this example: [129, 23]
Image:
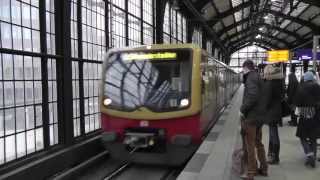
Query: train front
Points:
[150, 105]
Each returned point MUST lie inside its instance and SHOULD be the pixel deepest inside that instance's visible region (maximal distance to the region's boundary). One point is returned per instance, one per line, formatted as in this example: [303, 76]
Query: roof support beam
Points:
[200, 4]
[243, 44]
[229, 12]
[298, 37]
[302, 22]
[234, 44]
[197, 15]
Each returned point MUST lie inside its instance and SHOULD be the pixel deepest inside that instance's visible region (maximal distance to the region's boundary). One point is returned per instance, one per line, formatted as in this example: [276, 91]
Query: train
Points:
[158, 102]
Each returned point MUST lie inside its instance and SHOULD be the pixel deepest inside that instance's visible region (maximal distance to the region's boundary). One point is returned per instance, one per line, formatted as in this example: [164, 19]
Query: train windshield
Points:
[157, 80]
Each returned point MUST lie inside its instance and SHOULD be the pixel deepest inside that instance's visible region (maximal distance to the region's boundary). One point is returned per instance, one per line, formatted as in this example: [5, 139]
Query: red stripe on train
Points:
[185, 125]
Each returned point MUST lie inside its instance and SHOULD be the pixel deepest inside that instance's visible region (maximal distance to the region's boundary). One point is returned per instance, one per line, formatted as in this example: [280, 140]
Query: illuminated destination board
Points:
[278, 56]
[149, 56]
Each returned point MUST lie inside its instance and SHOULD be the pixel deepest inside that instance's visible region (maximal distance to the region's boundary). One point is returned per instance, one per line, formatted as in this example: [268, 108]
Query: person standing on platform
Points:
[291, 91]
[249, 115]
[273, 94]
[307, 101]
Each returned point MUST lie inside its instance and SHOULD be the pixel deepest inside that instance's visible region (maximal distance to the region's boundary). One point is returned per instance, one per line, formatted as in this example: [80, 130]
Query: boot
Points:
[246, 177]
[311, 161]
[273, 159]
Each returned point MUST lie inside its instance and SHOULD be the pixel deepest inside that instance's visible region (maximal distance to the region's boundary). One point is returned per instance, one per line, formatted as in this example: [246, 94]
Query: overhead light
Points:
[266, 17]
[258, 36]
[261, 29]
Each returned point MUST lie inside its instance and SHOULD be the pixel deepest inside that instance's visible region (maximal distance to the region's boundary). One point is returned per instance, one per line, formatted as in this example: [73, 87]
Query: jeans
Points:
[253, 141]
[309, 146]
[274, 141]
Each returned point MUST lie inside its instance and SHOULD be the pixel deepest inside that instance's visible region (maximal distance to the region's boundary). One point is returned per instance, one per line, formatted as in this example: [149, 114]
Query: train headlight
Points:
[184, 102]
[107, 102]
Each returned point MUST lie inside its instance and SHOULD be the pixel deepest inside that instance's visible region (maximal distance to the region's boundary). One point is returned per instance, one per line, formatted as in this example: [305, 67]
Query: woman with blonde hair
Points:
[273, 95]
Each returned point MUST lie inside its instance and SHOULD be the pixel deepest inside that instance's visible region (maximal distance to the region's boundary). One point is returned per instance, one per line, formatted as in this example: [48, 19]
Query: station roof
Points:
[271, 24]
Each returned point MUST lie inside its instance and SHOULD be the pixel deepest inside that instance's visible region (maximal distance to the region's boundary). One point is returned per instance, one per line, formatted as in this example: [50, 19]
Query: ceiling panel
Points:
[300, 8]
[290, 39]
[282, 35]
[316, 20]
[236, 2]
[208, 11]
[310, 12]
[228, 20]
[239, 28]
[233, 31]
[285, 23]
[304, 30]
[222, 5]
[293, 27]
[217, 27]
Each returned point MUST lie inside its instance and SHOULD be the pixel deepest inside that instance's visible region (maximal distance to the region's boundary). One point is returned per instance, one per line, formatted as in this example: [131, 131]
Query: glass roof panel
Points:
[238, 16]
[301, 7]
[236, 2]
[285, 23]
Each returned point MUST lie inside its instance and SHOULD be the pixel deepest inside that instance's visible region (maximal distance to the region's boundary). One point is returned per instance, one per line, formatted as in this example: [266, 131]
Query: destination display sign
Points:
[278, 56]
[149, 56]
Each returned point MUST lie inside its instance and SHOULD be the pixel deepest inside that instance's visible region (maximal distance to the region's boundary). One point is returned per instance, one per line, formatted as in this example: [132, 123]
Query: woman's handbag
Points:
[286, 110]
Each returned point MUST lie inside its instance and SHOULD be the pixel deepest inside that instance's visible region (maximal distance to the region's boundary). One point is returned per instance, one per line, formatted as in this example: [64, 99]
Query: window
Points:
[253, 52]
[23, 103]
[86, 62]
[131, 22]
[174, 26]
[197, 36]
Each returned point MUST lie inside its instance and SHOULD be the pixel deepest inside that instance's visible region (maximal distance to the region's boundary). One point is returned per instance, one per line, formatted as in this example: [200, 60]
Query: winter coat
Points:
[292, 87]
[308, 95]
[272, 94]
[251, 104]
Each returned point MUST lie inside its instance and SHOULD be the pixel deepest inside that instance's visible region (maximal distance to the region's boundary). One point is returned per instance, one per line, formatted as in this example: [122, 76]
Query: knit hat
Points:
[272, 72]
[308, 76]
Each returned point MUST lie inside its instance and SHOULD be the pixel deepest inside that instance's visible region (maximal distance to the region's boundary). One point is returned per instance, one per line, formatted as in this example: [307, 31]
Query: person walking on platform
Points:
[273, 94]
[291, 91]
[307, 101]
[249, 115]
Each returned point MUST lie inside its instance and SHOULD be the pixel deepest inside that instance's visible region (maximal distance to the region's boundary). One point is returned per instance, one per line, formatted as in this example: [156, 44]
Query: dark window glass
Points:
[148, 79]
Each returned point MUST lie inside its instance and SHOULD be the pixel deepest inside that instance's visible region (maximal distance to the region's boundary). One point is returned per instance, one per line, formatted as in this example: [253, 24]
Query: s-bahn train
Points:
[158, 102]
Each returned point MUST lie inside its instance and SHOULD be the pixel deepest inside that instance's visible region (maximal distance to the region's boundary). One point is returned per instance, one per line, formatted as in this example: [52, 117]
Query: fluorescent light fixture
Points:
[107, 102]
[184, 102]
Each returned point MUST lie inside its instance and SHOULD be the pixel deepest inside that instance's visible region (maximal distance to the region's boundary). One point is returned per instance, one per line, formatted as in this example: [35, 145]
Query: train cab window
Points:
[157, 80]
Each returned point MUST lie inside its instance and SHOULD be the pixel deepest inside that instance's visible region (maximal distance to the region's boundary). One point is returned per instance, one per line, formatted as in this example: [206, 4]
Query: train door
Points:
[212, 73]
[206, 94]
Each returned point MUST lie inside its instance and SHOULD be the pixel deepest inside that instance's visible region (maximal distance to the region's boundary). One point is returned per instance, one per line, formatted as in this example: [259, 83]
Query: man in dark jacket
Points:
[291, 91]
[250, 114]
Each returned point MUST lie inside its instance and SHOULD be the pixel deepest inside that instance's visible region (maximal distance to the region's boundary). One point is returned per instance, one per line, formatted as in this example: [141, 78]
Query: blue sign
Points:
[305, 54]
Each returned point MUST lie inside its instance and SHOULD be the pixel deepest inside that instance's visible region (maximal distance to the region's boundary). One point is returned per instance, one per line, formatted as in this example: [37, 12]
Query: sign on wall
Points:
[278, 56]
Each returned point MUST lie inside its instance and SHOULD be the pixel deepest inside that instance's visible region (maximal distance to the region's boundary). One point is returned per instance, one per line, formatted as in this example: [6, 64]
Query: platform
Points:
[213, 159]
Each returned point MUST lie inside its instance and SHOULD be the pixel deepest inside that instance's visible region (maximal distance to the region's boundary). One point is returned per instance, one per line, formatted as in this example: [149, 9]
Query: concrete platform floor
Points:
[213, 159]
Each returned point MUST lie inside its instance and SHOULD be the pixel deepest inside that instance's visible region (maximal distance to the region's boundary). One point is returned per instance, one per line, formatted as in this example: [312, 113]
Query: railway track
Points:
[133, 171]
